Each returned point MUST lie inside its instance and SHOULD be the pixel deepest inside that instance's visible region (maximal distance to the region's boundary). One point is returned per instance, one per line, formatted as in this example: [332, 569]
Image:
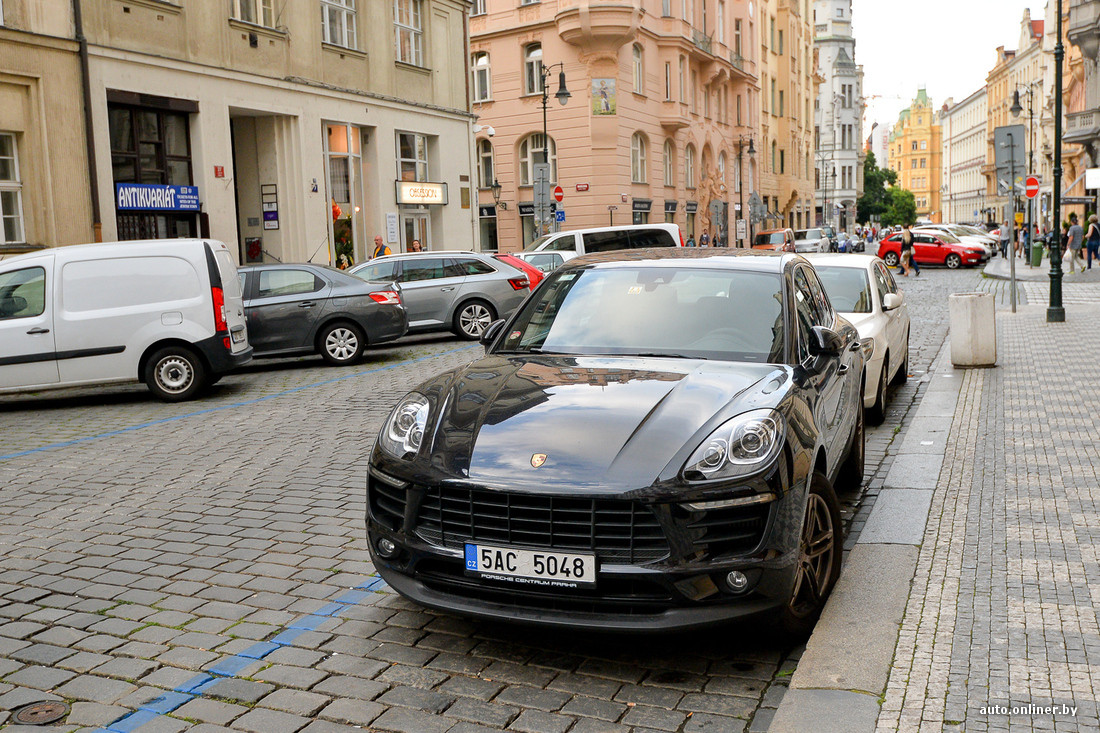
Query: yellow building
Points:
[788, 86]
[916, 154]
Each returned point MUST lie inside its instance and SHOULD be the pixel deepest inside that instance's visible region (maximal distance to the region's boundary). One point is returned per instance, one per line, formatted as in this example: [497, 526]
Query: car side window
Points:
[823, 309]
[606, 241]
[287, 282]
[380, 271]
[924, 239]
[463, 266]
[22, 293]
[564, 243]
[244, 290]
[423, 268]
[803, 311]
[547, 262]
[640, 238]
[891, 283]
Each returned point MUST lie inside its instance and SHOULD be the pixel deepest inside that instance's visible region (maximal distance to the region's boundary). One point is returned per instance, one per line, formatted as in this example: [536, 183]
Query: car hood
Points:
[605, 423]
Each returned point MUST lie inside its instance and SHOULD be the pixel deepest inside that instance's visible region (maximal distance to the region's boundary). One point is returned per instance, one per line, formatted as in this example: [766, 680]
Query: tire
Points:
[903, 370]
[472, 318]
[174, 374]
[877, 412]
[819, 558]
[341, 343]
[953, 261]
[891, 259]
[850, 477]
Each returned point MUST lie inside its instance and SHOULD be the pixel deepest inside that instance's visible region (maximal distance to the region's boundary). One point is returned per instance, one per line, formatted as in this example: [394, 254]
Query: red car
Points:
[534, 274]
[932, 249]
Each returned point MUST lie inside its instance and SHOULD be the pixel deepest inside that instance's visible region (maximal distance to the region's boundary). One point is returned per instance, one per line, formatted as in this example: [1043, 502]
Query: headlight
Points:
[404, 430]
[741, 446]
[868, 346]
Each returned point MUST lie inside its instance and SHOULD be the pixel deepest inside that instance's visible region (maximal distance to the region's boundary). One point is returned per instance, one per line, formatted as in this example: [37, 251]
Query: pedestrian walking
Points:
[1076, 236]
[1092, 240]
[907, 258]
[1006, 235]
[691, 241]
[704, 241]
[380, 247]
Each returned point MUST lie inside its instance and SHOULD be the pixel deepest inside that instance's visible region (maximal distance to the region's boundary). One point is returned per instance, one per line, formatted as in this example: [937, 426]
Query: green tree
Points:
[901, 207]
[876, 182]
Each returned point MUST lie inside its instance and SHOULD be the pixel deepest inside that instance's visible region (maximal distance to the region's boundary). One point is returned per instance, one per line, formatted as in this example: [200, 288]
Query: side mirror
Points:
[825, 342]
[491, 332]
[890, 301]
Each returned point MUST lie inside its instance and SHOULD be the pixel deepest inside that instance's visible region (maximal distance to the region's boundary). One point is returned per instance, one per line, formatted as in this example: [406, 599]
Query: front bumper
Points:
[682, 589]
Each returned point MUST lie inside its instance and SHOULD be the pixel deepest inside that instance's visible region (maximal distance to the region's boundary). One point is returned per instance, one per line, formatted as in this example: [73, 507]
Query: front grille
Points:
[729, 531]
[387, 504]
[618, 532]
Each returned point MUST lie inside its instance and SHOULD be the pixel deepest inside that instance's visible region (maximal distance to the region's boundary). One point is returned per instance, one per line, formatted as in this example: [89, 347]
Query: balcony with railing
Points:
[1084, 26]
[702, 41]
[1082, 128]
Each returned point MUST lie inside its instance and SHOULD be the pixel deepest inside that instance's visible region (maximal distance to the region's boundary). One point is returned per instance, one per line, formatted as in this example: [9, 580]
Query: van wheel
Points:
[341, 343]
[174, 374]
[472, 319]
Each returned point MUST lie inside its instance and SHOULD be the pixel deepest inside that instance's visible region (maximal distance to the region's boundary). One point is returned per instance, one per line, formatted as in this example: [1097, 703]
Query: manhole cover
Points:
[41, 713]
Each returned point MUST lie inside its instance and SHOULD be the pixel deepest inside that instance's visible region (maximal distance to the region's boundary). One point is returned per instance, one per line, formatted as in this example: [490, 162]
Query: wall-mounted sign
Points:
[691, 207]
[582, 186]
[670, 207]
[269, 202]
[527, 209]
[391, 227]
[148, 197]
[641, 205]
[219, 171]
[421, 192]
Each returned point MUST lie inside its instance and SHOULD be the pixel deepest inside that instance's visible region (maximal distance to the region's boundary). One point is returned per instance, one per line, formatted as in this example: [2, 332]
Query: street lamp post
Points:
[1016, 109]
[741, 176]
[562, 95]
[1055, 312]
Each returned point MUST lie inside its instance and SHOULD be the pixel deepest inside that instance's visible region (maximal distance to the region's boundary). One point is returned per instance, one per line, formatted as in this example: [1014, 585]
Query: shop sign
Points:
[691, 207]
[149, 197]
[670, 207]
[421, 192]
[487, 212]
[641, 205]
[527, 209]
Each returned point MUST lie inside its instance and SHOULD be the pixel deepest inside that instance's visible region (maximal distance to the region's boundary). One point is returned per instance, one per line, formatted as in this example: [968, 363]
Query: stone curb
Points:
[843, 673]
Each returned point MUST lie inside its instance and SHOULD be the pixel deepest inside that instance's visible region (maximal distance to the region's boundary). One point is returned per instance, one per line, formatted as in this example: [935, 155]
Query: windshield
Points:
[947, 237]
[654, 311]
[829, 231]
[849, 288]
[537, 243]
[773, 238]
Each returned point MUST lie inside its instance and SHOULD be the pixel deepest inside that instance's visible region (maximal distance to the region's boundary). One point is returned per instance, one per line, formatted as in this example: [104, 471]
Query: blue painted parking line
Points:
[220, 408]
[233, 665]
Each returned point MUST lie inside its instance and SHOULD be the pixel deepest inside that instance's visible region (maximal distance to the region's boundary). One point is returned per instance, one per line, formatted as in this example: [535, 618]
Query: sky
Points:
[947, 46]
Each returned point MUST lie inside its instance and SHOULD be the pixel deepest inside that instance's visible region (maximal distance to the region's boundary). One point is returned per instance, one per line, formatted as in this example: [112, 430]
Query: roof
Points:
[836, 259]
[686, 257]
[1037, 28]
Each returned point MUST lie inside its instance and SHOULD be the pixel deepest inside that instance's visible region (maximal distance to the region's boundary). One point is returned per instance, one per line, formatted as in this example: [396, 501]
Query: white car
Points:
[965, 237]
[811, 240]
[862, 289]
[550, 251]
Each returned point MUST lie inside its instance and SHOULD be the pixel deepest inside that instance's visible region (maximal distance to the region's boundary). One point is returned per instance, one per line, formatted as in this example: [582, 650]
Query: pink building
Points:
[664, 96]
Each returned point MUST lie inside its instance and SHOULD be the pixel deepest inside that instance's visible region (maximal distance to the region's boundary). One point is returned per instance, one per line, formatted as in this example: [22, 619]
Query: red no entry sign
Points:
[1031, 187]
[558, 194]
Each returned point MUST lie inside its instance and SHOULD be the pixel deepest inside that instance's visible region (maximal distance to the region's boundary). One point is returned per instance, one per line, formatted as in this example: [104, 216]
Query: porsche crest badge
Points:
[538, 459]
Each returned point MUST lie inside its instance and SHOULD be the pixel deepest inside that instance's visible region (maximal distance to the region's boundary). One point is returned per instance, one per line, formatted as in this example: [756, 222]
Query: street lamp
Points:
[562, 96]
[1055, 312]
[741, 174]
[1016, 109]
[496, 189]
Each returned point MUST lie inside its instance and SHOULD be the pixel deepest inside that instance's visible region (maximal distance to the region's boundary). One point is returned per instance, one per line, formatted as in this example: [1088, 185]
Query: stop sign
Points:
[560, 194]
[1031, 187]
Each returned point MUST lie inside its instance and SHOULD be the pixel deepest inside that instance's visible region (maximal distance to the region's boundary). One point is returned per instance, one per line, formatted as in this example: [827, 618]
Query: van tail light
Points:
[218, 296]
[682, 244]
[519, 283]
[386, 297]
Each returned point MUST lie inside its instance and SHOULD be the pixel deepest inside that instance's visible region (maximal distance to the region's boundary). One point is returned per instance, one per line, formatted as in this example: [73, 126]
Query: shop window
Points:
[11, 192]
[531, 152]
[412, 157]
[260, 12]
[338, 23]
[408, 32]
[482, 77]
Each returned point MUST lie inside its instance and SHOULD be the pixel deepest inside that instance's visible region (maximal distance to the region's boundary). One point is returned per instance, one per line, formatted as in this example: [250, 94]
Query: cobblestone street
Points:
[202, 566]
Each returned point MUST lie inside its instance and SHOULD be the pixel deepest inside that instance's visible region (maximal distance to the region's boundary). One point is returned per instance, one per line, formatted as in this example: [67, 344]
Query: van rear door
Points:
[28, 355]
[231, 292]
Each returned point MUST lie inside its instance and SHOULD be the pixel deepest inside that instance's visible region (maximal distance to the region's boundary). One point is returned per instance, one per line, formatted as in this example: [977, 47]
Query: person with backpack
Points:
[1092, 240]
[380, 247]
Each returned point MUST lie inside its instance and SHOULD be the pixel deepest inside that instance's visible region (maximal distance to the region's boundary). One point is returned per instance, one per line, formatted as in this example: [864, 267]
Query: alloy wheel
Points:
[816, 557]
[474, 319]
[953, 262]
[342, 344]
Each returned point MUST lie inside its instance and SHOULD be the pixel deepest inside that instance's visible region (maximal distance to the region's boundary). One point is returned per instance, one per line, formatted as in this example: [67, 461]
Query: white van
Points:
[552, 250]
[167, 312]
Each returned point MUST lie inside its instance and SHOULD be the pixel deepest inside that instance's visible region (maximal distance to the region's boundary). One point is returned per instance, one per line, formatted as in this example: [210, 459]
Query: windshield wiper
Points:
[665, 355]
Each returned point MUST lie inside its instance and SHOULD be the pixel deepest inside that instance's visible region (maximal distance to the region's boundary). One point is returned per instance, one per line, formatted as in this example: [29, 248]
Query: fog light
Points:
[387, 549]
[737, 581]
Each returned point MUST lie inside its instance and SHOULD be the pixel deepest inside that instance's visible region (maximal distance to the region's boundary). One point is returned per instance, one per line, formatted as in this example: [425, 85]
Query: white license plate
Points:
[544, 568]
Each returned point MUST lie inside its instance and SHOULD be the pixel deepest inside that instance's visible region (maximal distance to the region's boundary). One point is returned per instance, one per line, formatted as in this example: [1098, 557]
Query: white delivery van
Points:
[550, 251]
[167, 312]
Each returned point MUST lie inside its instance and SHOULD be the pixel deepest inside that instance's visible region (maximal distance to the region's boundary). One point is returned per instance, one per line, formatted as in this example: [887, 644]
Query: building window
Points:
[738, 109]
[737, 37]
[478, 8]
[639, 70]
[774, 107]
[924, 162]
[722, 167]
[689, 167]
[781, 103]
[408, 32]
[637, 158]
[720, 31]
[260, 12]
[782, 161]
[529, 2]
[532, 69]
[670, 162]
[682, 78]
[482, 78]
[532, 152]
[338, 23]
[779, 48]
[11, 192]
[666, 8]
[412, 157]
[924, 145]
[668, 81]
[694, 92]
[774, 149]
[484, 163]
[914, 145]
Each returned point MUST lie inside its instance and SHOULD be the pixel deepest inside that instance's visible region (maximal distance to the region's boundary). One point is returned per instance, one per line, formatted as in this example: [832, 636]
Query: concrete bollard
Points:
[973, 329]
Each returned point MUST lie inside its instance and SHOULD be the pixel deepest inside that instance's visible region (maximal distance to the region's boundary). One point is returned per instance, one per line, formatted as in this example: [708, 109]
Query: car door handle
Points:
[38, 331]
[447, 290]
[843, 369]
[307, 304]
[855, 346]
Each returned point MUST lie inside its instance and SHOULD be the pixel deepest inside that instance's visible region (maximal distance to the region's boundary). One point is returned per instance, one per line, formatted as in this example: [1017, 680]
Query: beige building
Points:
[789, 85]
[663, 100]
[916, 154]
[44, 189]
[293, 130]
[964, 147]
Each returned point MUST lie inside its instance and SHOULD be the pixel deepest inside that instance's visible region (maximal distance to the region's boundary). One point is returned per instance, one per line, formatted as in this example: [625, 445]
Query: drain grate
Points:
[41, 713]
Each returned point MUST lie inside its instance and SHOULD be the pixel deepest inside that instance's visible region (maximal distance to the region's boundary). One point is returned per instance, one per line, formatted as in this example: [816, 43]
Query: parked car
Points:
[314, 309]
[568, 245]
[534, 274]
[460, 291]
[811, 240]
[779, 240]
[650, 442]
[164, 312]
[932, 249]
[950, 231]
[862, 289]
[834, 238]
[544, 261]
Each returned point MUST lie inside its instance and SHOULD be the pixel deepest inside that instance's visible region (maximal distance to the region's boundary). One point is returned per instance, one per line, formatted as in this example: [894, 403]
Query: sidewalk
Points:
[984, 617]
[999, 268]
